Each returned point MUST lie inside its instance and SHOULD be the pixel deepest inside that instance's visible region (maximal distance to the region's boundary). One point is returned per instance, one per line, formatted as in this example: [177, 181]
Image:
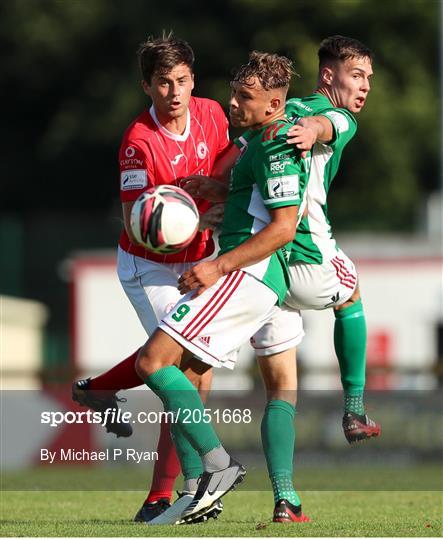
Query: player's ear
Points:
[146, 88]
[274, 105]
[192, 77]
[326, 75]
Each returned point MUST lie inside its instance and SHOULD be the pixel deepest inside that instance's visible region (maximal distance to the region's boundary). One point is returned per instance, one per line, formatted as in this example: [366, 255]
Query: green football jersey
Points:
[269, 174]
[314, 242]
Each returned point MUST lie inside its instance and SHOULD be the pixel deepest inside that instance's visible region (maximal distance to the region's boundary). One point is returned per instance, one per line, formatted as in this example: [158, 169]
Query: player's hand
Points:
[212, 218]
[303, 135]
[200, 277]
[205, 187]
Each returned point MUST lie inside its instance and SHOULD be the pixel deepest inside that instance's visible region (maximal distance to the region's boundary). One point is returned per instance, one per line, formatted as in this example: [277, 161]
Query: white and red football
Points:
[164, 219]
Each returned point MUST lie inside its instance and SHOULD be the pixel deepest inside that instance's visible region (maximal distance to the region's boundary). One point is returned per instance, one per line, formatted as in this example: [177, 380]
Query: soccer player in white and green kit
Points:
[322, 275]
[230, 298]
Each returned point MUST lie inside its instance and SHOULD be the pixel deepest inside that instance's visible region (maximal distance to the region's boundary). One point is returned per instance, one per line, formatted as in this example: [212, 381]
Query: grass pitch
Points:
[247, 514]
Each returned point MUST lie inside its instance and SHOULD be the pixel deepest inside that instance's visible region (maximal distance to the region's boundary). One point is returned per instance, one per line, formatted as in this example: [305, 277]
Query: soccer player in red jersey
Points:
[178, 136]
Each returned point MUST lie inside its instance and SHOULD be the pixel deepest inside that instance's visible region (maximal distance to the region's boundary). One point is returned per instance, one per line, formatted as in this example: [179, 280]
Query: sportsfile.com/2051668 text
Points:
[186, 416]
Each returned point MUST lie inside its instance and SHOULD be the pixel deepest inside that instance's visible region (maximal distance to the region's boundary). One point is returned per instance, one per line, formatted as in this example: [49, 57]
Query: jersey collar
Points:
[321, 97]
[168, 133]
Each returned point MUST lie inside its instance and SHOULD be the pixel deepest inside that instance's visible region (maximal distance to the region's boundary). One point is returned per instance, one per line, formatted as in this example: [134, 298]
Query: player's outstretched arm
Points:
[275, 235]
[309, 130]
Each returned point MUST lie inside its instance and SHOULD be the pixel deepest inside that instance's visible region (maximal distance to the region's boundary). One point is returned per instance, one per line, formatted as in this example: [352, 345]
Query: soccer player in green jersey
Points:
[228, 299]
[322, 276]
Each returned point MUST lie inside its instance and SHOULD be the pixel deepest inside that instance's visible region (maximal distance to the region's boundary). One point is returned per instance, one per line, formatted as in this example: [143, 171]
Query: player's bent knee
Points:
[140, 363]
[149, 362]
[143, 365]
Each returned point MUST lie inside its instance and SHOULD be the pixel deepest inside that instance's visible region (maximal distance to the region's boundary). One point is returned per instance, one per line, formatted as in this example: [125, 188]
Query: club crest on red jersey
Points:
[202, 150]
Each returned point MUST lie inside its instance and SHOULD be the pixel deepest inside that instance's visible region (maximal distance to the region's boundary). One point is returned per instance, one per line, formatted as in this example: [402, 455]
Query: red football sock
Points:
[166, 468]
[120, 377]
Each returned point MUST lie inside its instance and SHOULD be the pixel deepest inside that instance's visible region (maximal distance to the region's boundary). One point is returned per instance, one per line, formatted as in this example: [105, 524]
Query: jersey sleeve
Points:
[344, 126]
[136, 169]
[222, 126]
[278, 171]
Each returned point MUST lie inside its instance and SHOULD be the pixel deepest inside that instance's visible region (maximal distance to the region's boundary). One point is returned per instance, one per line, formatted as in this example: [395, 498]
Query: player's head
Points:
[345, 68]
[167, 64]
[258, 90]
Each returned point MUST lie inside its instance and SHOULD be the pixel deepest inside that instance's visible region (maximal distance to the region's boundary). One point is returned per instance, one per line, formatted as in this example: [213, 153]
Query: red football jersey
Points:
[150, 155]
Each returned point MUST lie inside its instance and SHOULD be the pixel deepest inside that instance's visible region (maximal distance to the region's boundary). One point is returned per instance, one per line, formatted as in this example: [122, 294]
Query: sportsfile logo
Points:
[112, 415]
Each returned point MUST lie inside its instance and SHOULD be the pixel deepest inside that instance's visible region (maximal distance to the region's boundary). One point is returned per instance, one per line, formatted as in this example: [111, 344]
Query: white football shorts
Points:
[150, 286]
[321, 286]
[215, 324]
[283, 331]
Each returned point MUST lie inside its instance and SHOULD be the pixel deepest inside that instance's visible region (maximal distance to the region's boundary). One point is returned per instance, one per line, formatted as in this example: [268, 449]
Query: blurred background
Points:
[70, 87]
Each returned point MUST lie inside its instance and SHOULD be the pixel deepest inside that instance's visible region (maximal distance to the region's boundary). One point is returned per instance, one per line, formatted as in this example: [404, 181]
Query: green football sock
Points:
[190, 460]
[283, 488]
[353, 403]
[181, 397]
[350, 347]
[278, 439]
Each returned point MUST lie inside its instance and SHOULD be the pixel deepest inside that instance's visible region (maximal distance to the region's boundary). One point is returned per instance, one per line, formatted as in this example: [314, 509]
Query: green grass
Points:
[427, 477]
[247, 513]
[68, 513]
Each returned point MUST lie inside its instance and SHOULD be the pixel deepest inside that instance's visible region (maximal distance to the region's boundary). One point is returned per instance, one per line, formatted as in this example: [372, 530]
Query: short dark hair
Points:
[160, 55]
[340, 48]
[272, 70]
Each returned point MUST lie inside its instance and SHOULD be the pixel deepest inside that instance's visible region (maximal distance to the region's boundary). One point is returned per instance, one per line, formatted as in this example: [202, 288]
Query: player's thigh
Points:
[282, 331]
[221, 319]
[321, 286]
[151, 287]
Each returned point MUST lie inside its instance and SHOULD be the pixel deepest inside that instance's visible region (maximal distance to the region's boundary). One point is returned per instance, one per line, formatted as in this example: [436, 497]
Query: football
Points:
[164, 219]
